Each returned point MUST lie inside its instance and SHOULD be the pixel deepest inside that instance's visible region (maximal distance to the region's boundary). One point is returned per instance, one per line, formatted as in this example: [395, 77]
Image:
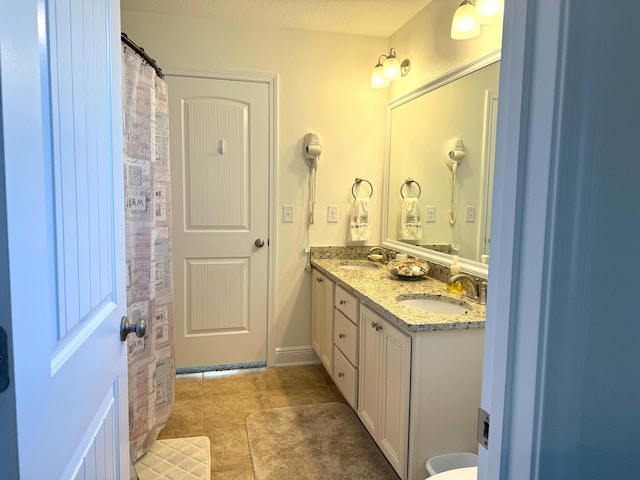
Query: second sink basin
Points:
[433, 303]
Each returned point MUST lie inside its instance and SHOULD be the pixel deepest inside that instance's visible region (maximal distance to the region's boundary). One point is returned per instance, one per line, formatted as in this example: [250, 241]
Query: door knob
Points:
[259, 243]
[139, 328]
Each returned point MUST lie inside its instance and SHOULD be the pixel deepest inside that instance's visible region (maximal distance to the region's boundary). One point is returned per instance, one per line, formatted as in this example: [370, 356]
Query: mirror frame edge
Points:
[466, 265]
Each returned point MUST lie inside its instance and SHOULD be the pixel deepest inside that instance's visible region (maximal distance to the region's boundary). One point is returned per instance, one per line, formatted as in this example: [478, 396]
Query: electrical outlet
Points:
[430, 214]
[287, 213]
[470, 214]
[332, 214]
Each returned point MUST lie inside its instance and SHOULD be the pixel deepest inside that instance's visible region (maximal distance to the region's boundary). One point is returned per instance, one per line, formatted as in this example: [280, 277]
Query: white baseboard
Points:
[294, 356]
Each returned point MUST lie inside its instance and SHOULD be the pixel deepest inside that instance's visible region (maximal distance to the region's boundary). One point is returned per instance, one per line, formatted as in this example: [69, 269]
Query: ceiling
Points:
[379, 18]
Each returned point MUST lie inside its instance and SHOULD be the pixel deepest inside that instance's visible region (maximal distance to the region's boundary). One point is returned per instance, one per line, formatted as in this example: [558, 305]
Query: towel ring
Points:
[357, 184]
[409, 181]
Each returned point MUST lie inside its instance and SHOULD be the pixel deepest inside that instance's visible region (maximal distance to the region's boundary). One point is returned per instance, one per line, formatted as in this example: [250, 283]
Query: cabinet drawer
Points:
[347, 304]
[346, 378]
[345, 336]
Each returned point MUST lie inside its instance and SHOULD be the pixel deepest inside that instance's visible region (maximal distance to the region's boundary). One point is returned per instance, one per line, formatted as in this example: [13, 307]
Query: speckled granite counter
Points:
[378, 290]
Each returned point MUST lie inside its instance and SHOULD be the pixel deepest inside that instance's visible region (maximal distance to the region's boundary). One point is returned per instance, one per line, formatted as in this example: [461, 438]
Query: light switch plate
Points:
[470, 214]
[287, 213]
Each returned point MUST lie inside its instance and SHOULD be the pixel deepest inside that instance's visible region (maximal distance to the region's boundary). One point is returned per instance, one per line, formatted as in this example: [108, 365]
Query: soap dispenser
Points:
[455, 287]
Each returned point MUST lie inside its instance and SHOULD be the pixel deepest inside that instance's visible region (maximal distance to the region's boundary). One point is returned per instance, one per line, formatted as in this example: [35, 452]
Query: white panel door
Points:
[220, 154]
[64, 252]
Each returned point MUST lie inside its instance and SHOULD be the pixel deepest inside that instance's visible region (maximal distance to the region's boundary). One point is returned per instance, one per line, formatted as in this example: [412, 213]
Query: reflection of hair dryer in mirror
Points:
[312, 148]
[454, 154]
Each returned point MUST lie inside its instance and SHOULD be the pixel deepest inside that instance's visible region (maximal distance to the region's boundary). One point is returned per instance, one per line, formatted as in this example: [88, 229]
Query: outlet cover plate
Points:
[332, 214]
[430, 214]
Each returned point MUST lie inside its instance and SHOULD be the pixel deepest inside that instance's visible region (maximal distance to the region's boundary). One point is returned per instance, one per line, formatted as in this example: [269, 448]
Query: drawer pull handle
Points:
[342, 302]
[341, 335]
[340, 374]
[319, 280]
[378, 327]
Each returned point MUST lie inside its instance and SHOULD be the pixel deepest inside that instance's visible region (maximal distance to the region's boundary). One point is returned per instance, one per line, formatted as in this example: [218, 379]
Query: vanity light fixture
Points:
[489, 11]
[464, 24]
[388, 70]
[468, 17]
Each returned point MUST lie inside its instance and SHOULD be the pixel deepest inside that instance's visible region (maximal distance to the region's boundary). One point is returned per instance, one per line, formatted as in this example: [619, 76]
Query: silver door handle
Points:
[139, 328]
[259, 243]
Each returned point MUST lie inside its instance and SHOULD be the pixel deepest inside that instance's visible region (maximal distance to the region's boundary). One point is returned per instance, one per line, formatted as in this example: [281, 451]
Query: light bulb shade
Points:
[391, 69]
[489, 11]
[378, 79]
[464, 24]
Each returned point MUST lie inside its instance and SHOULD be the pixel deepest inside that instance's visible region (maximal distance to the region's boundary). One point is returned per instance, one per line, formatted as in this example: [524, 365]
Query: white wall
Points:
[323, 82]
[426, 41]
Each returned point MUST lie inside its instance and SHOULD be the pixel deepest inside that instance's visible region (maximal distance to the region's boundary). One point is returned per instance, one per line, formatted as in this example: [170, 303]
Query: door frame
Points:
[271, 81]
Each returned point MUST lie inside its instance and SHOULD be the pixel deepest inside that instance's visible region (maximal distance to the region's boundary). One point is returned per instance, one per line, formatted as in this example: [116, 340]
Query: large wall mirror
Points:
[451, 197]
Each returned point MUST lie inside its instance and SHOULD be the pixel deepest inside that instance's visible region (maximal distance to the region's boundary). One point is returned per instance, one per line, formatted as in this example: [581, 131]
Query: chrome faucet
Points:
[478, 290]
[381, 251]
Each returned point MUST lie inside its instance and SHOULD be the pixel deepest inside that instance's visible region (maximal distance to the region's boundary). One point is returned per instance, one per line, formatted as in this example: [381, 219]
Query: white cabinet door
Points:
[62, 259]
[395, 361]
[385, 360]
[369, 383]
[322, 318]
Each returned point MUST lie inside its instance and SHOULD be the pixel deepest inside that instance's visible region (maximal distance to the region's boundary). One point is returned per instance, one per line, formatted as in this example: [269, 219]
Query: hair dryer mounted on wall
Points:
[312, 148]
[312, 151]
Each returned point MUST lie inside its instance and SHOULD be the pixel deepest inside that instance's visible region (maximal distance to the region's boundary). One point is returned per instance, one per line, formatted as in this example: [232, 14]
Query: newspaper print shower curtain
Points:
[148, 247]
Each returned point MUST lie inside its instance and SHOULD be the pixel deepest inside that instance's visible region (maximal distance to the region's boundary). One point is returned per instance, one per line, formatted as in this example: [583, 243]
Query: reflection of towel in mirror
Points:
[359, 223]
[410, 223]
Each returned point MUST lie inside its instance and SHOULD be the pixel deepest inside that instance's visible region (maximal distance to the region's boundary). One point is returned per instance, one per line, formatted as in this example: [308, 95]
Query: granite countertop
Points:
[377, 289]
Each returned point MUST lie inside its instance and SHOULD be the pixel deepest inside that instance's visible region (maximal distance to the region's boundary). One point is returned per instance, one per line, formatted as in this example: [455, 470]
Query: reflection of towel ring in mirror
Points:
[409, 181]
[357, 184]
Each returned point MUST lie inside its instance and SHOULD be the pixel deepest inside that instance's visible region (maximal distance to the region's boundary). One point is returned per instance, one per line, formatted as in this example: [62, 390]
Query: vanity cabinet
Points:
[346, 345]
[384, 386]
[322, 293]
[417, 391]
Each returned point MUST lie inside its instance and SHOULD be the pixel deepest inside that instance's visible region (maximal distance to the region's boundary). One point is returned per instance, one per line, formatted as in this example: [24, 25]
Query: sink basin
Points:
[433, 303]
[354, 265]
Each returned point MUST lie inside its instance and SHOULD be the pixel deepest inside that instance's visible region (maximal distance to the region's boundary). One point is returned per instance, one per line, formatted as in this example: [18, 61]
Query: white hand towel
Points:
[410, 221]
[359, 224]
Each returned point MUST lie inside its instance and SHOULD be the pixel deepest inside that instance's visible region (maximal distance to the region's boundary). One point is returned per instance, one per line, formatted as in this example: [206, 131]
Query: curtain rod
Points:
[140, 51]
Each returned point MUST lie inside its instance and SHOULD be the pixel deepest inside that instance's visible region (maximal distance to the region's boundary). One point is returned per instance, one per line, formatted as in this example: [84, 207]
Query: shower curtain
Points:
[148, 250]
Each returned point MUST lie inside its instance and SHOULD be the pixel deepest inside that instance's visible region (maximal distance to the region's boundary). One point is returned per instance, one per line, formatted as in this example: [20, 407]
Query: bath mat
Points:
[320, 441]
[176, 459]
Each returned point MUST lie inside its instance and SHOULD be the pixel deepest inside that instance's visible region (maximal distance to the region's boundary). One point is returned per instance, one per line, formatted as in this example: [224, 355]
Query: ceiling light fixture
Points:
[388, 70]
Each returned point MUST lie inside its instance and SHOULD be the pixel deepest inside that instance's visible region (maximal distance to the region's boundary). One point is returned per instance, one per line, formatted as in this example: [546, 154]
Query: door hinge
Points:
[4, 361]
[483, 428]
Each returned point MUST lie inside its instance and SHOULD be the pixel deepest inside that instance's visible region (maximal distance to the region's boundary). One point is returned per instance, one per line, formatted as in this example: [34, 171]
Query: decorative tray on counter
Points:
[412, 269]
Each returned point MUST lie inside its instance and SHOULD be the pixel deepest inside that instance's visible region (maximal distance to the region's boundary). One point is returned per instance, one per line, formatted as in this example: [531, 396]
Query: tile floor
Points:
[216, 404]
